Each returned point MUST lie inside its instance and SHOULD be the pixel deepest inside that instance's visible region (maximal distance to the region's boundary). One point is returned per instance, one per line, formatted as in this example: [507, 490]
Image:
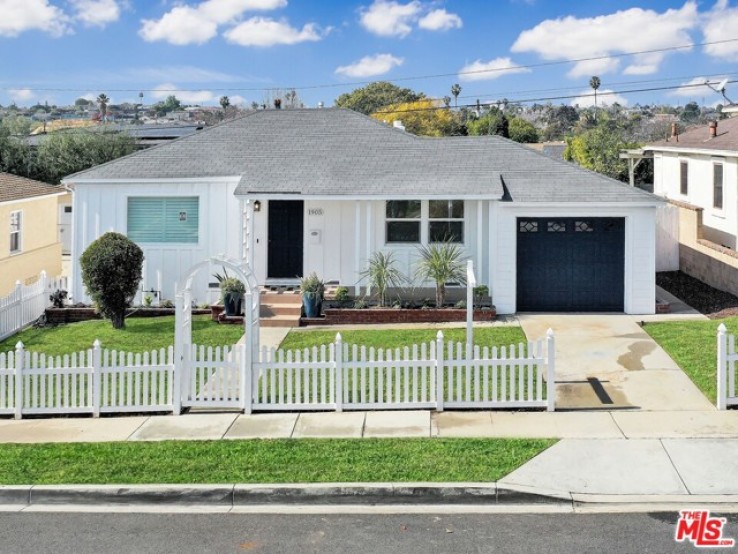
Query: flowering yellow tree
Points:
[425, 117]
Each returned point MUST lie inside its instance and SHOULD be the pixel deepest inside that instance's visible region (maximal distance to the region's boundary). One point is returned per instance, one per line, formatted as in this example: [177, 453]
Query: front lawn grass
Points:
[140, 335]
[693, 346]
[266, 461]
[397, 338]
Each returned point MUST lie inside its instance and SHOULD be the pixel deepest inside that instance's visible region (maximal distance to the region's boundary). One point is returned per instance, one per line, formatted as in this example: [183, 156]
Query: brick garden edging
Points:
[56, 316]
[341, 316]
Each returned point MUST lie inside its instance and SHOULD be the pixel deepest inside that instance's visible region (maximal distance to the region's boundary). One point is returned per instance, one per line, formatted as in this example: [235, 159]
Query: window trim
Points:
[715, 165]
[684, 177]
[18, 233]
[425, 221]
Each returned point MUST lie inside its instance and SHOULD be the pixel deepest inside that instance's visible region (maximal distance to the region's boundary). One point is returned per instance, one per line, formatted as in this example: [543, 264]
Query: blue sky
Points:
[58, 50]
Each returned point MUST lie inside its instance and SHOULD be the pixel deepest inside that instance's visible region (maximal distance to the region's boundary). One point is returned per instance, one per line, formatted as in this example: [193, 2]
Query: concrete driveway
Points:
[607, 361]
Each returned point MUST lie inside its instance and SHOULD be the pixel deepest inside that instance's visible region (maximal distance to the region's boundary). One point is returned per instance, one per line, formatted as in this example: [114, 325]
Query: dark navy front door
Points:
[571, 264]
[284, 256]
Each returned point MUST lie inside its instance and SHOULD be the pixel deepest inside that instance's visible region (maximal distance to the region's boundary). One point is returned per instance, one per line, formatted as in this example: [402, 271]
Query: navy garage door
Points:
[571, 264]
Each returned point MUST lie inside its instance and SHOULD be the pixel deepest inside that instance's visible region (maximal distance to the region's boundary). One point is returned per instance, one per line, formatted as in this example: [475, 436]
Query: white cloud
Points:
[19, 16]
[185, 96]
[370, 66]
[21, 94]
[390, 19]
[629, 30]
[605, 97]
[696, 87]
[184, 24]
[493, 69]
[180, 26]
[237, 100]
[96, 13]
[720, 23]
[263, 31]
[440, 20]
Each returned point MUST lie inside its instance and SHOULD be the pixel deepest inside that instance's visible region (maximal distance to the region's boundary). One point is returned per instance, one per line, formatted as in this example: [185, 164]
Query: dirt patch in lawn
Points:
[708, 300]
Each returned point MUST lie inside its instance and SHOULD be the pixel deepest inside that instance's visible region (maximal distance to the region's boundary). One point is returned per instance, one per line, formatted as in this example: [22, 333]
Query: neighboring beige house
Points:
[29, 233]
[698, 172]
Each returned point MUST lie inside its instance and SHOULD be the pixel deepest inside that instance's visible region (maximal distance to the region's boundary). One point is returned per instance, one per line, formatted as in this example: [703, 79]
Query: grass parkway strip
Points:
[266, 461]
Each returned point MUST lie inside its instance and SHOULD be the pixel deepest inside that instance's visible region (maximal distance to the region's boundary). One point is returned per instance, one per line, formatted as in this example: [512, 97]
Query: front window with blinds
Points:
[717, 186]
[684, 178]
[16, 225]
[164, 219]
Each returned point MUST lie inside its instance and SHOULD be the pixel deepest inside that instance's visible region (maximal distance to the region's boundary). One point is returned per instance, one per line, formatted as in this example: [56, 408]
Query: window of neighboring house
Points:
[717, 186]
[684, 178]
[403, 220]
[16, 228]
[164, 219]
[446, 220]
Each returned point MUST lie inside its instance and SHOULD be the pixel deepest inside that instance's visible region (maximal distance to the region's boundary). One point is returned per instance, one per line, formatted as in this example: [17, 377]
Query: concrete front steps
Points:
[280, 307]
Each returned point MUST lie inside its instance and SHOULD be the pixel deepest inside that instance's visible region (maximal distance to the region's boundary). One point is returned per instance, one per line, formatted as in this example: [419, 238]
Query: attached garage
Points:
[571, 264]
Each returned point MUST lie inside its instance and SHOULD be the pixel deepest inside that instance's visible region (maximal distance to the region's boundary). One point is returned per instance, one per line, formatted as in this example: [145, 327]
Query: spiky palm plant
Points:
[441, 262]
[382, 274]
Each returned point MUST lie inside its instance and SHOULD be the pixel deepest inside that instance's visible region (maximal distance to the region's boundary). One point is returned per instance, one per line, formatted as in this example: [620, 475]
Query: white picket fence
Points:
[433, 375]
[94, 381]
[726, 369]
[26, 304]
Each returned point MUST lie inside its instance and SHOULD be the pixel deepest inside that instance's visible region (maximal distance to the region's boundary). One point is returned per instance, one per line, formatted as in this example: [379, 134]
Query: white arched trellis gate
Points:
[215, 377]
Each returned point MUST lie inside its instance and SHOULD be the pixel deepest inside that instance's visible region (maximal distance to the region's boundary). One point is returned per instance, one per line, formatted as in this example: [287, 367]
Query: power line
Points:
[397, 79]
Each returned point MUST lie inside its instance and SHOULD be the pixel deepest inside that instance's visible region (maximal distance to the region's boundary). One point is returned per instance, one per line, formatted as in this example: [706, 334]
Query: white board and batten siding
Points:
[640, 255]
[103, 207]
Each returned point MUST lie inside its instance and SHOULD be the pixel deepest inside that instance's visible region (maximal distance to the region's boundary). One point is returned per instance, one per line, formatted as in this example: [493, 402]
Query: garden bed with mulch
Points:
[712, 302]
[351, 316]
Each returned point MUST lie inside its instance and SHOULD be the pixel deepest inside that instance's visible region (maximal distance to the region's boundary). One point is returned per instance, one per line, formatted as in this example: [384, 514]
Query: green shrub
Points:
[111, 272]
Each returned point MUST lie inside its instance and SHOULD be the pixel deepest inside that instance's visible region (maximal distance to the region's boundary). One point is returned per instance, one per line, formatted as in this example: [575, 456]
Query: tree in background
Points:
[493, 122]
[456, 90]
[64, 153]
[224, 103]
[371, 98]
[595, 83]
[521, 130]
[558, 121]
[426, 117]
[599, 148]
[111, 271]
[103, 101]
[15, 154]
[691, 113]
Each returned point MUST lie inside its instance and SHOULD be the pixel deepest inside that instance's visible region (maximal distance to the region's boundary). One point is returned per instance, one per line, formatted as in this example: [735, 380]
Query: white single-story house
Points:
[290, 192]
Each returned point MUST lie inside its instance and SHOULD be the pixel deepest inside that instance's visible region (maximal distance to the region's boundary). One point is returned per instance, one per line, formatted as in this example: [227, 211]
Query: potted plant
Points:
[312, 289]
[231, 294]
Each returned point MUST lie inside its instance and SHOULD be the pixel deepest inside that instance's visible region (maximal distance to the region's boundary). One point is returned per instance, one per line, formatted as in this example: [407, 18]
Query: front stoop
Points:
[280, 308]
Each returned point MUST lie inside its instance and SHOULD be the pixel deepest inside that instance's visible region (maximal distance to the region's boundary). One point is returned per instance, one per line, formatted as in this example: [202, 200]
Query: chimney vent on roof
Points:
[397, 124]
[320, 105]
[713, 129]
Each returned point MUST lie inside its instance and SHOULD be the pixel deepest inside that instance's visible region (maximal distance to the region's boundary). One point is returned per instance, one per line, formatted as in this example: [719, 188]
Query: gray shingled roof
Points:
[13, 188]
[338, 152]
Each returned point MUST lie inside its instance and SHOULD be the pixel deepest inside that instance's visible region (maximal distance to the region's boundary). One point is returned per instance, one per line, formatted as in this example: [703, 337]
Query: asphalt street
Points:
[97, 533]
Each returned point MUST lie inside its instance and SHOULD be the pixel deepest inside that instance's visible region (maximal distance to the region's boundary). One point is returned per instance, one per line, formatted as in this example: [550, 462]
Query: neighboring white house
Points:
[700, 167]
[295, 191]
[698, 172]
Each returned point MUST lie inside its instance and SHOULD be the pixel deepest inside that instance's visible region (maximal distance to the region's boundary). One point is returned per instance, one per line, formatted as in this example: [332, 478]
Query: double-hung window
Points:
[717, 186]
[403, 220]
[172, 219]
[684, 178]
[16, 228]
[424, 221]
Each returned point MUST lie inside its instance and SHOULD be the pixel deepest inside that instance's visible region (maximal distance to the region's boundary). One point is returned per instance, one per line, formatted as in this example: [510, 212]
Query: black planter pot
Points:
[312, 304]
[233, 303]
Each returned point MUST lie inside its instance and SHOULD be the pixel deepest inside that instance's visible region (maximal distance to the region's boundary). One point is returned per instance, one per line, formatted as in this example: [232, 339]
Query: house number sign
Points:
[315, 211]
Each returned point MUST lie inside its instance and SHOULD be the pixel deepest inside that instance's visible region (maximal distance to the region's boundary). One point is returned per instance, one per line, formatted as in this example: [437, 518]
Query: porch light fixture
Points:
[257, 205]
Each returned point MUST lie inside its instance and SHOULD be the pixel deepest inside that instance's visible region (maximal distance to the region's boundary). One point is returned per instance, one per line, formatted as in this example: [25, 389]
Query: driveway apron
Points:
[607, 361]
